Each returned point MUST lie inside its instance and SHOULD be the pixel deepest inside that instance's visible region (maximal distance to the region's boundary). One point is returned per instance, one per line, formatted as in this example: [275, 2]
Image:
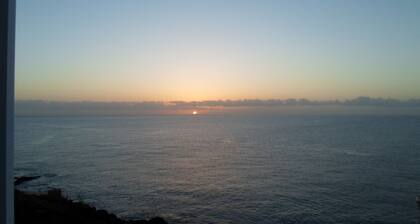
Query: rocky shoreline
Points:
[52, 207]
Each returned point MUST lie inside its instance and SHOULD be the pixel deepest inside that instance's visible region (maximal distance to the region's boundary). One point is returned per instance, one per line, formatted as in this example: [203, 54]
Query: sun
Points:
[194, 112]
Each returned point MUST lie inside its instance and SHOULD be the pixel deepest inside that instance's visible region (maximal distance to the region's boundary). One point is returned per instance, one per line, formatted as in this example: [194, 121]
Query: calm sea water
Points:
[230, 169]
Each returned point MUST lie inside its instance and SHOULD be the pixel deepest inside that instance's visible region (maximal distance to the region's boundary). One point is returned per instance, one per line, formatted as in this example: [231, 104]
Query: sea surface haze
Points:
[230, 169]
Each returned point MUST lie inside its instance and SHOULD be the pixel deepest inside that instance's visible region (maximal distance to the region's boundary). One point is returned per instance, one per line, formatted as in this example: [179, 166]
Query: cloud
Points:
[360, 101]
[89, 108]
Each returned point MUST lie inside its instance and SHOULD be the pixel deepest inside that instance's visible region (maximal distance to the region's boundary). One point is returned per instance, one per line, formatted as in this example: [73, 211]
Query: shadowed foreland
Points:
[53, 208]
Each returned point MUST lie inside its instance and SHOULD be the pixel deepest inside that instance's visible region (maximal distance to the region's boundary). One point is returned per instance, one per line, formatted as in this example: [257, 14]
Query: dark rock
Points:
[55, 193]
[22, 179]
[157, 220]
[52, 208]
[102, 214]
[138, 222]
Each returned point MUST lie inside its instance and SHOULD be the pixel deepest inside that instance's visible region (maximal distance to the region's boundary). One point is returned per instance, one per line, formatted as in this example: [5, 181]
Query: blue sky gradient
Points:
[131, 50]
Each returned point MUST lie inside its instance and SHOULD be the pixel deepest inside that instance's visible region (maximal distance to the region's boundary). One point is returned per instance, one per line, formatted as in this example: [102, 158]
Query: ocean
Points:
[230, 169]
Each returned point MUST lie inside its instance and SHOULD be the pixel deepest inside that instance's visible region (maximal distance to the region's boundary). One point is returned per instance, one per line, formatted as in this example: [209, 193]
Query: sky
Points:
[138, 50]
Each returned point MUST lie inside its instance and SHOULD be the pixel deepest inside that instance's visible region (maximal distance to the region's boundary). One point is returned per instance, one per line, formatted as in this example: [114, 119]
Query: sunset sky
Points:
[133, 50]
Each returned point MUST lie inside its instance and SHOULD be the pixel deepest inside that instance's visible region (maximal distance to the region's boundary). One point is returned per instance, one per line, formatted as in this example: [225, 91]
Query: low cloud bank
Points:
[87, 108]
[359, 101]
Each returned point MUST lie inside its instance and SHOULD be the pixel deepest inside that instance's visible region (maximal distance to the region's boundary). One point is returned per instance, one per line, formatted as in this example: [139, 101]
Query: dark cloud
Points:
[87, 108]
[361, 101]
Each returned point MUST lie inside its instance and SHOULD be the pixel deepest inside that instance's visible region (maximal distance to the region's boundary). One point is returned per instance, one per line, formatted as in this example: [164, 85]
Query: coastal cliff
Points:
[52, 207]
